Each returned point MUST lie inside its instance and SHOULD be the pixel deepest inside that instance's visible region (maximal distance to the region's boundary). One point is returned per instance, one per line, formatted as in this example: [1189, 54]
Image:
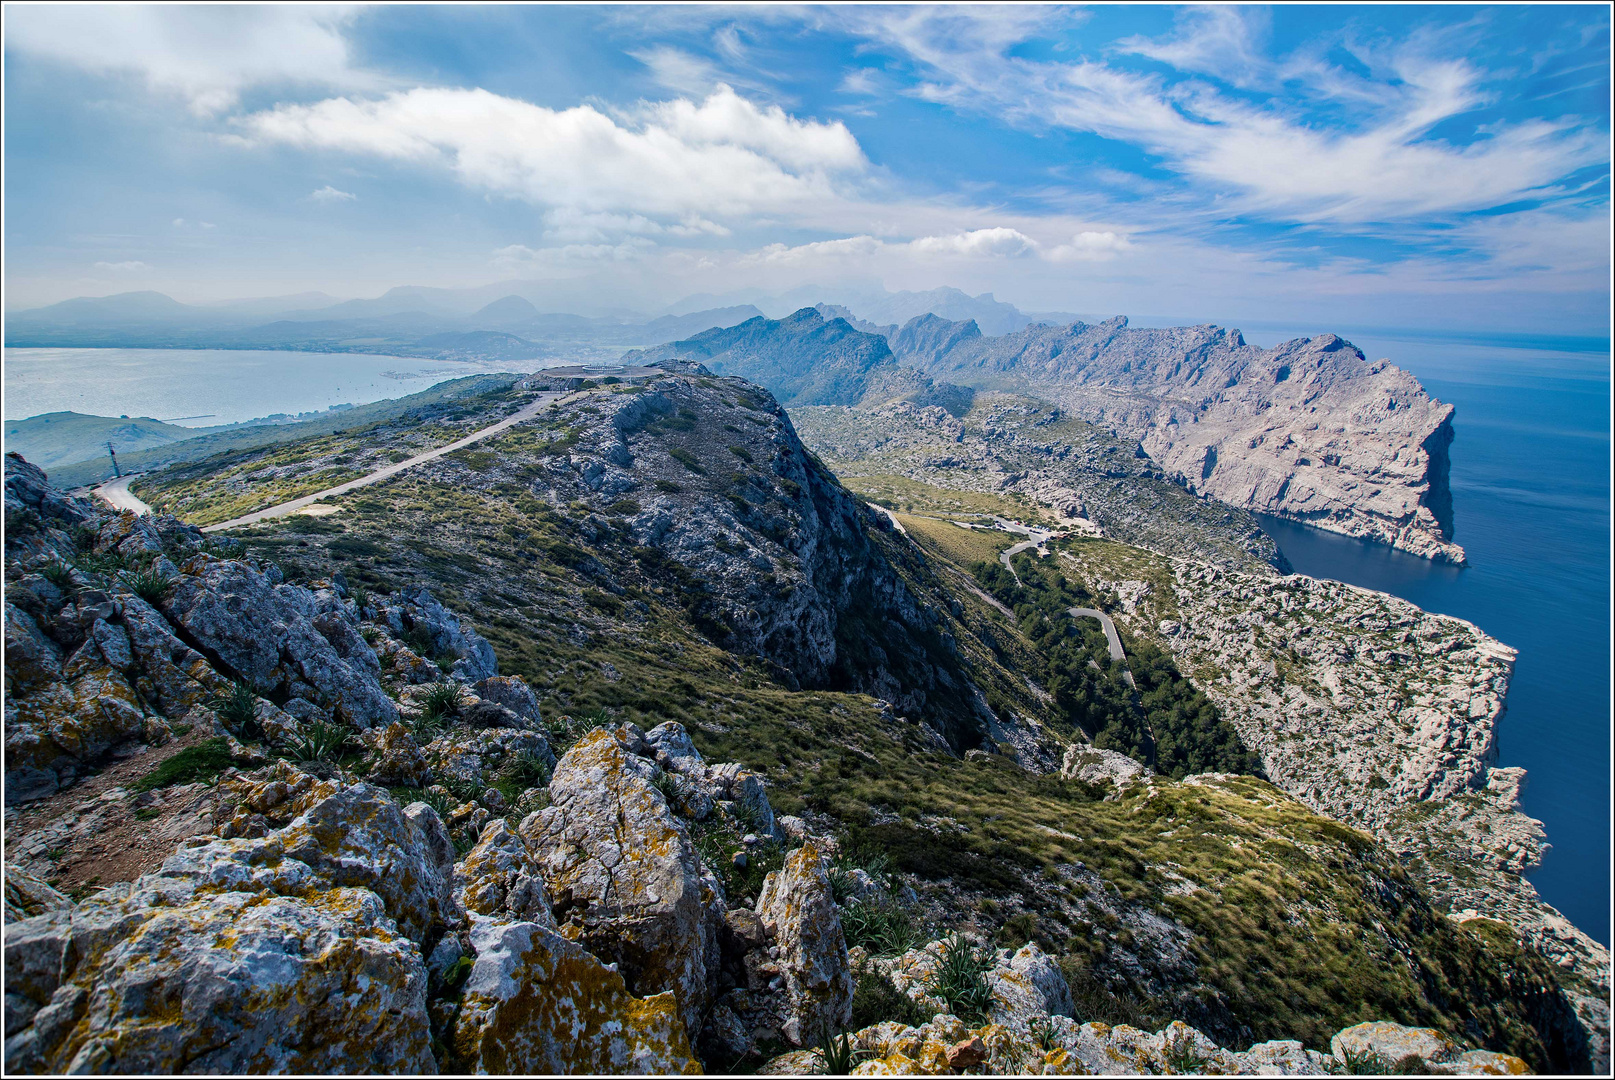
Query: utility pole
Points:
[116, 472]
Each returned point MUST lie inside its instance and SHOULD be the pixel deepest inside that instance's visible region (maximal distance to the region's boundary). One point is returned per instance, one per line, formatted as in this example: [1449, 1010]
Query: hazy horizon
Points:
[1445, 168]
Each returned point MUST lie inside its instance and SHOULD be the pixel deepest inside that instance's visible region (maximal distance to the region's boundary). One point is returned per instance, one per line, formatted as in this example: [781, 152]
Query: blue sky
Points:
[1435, 166]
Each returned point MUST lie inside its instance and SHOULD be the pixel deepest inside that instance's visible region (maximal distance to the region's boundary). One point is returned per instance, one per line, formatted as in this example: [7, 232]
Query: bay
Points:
[204, 387]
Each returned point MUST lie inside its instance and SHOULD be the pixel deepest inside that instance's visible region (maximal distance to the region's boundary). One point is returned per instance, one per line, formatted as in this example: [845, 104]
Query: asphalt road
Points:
[526, 412]
[115, 493]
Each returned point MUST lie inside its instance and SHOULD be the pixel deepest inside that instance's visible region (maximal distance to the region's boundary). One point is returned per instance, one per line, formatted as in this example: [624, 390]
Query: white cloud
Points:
[206, 54]
[1089, 246]
[133, 266]
[329, 194]
[1219, 41]
[997, 242]
[849, 247]
[676, 161]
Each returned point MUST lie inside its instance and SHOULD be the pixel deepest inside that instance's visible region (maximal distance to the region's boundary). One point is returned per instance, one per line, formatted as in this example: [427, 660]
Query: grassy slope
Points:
[1293, 926]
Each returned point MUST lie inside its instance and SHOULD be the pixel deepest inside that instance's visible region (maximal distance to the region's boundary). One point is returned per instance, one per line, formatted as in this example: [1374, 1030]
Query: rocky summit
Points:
[643, 736]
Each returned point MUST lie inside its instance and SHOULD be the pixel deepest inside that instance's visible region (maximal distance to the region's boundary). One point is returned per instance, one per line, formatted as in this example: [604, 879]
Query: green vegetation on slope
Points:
[1168, 724]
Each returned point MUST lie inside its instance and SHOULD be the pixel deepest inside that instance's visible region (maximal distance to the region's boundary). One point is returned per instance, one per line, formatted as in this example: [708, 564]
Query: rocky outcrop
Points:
[1381, 715]
[700, 489]
[324, 920]
[283, 640]
[119, 626]
[536, 1003]
[798, 910]
[1043, 1044]
[623, 876]
[1093, 765]
[1309, 429]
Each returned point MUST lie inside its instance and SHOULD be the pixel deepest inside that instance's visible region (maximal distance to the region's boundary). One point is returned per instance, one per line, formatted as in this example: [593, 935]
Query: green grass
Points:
[203, 762]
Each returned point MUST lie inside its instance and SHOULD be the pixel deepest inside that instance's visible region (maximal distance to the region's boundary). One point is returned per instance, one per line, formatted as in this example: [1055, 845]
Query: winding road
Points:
[526, 412]
[116, 494]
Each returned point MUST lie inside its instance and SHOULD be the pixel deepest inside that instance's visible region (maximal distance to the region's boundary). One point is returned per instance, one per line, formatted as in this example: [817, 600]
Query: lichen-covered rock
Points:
[1030, 968]
[796, 903]
[239, 982]
[267, 633]
[1393, 1042]
[296, 951]
[535, 1003]
[623, 875]
[400, 762]
[28, 895]
[498, 877]
[60, 718]
[473, 755]
[361, 837]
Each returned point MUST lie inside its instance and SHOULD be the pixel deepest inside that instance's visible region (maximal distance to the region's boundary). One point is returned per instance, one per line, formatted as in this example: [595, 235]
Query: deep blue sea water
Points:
[1531, 503]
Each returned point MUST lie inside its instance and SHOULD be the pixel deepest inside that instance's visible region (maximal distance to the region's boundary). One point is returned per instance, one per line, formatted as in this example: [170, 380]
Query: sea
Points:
[204, 387]
[1531, 507]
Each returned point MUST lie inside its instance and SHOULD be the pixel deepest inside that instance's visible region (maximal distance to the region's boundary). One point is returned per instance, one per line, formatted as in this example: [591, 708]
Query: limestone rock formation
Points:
[623, 875]
[324, 920]
[797, 908]
[1309, 429]
[536, 1003]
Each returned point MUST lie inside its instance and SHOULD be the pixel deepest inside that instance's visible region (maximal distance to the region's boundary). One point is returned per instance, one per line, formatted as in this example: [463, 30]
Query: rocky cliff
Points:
[1376, 713]
[1091, 481]
[1308, 430]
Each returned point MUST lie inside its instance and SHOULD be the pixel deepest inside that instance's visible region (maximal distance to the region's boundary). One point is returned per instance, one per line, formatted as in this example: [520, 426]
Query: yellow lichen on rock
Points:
[537, 1003]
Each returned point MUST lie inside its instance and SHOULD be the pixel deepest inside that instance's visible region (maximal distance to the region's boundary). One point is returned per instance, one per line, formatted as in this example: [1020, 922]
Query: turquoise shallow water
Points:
[1531, 502]
[202, 387]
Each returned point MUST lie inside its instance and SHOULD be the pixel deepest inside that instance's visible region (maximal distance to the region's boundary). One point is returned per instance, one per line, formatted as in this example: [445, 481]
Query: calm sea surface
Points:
[1531, 502]
[203, 387]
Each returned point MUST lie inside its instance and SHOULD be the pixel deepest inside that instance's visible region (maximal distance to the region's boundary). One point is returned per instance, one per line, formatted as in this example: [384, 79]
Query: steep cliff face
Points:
[1309, 430]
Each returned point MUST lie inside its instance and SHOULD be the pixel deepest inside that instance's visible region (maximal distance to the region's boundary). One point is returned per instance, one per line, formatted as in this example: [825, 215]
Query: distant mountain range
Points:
[503, 321]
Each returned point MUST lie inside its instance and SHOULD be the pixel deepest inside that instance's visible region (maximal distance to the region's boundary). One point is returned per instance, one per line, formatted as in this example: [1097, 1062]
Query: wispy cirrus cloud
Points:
[1259, 155]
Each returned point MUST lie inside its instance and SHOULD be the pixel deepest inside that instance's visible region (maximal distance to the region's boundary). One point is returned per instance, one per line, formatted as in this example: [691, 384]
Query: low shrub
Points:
[687, 459]
[876, 999]
[960, 980]
[238, 710]
[442, 700]
[316, 741]
[203, 762]
[883, 927]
